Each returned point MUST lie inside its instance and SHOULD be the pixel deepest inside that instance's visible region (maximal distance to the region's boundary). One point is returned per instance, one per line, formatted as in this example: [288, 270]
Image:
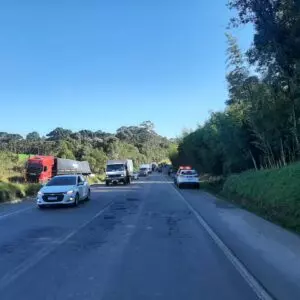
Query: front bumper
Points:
[188, 183]
[115, 179]
[63, 199]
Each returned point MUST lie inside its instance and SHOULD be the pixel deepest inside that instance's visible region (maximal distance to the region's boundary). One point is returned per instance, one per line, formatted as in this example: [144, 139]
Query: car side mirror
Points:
[80, 183]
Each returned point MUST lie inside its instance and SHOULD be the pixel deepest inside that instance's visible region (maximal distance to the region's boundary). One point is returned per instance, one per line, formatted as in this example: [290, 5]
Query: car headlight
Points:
[122, 175]
[70, 192]
[40, 194]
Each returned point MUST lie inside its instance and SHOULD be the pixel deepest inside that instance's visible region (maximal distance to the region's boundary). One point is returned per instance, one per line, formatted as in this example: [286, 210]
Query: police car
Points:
[186, 176]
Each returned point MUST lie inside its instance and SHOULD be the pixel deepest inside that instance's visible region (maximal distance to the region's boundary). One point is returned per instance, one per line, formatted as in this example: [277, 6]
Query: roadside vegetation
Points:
[14, 191]
[259, 128]
[273, 194]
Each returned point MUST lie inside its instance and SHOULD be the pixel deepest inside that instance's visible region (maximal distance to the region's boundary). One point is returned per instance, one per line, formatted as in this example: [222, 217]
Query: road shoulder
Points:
[269, 252]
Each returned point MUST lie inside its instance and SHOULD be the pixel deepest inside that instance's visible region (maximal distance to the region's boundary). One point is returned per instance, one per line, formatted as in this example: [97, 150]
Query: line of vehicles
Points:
[65, 181]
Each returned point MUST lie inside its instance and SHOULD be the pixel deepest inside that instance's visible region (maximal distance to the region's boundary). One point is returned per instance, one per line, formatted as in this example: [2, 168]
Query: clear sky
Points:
[102, 64]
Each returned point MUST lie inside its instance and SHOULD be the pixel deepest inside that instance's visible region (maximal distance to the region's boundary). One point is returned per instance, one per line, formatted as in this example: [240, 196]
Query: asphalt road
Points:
[128, 242]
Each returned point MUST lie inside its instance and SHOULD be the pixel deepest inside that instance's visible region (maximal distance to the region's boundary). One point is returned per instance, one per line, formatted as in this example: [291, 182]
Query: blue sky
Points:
[104, 64]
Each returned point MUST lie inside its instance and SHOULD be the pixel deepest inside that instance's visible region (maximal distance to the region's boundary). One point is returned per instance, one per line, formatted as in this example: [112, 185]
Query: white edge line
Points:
[27, 264]
[258, 289]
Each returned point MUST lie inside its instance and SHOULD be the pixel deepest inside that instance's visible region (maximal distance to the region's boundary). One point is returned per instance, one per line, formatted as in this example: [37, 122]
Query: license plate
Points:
[52, 198]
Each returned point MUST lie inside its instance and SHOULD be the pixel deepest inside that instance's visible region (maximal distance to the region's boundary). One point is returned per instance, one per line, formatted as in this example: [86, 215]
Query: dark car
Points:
[143, 172]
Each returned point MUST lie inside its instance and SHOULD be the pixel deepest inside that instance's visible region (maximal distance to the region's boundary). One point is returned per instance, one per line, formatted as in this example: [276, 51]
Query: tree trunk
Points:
[253, 160]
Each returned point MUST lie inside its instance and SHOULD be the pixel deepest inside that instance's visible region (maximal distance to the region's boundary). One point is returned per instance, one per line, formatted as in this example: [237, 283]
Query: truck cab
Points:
[118, 171]
[39, 168]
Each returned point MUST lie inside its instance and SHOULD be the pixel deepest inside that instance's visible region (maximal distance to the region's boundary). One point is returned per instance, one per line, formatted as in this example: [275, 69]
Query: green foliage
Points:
[96, 179]
[32, 189]
[139, 143]
[13, 191]
[33, 136]
[65, 150]
[274, 193]
[11, 166]
[97, 159]
[259, 126]
[213, 184]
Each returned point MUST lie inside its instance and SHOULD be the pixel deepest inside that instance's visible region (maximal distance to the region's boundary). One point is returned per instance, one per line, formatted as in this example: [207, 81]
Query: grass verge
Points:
[13, 191]
[273, 194]
[212, 184]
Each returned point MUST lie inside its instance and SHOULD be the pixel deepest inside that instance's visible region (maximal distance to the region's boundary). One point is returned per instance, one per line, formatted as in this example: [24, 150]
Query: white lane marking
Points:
[14, 212]
[27, 264]
[257, 288]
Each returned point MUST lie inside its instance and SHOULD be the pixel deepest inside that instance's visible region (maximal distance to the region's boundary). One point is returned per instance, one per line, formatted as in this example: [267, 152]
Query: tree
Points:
[97, 160]
[33, 136]
[59, 134]
[64, 150]
[276, 46]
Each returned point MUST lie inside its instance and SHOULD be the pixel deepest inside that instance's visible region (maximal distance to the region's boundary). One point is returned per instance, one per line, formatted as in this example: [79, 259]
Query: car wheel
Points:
[88, 197]
[179, 185]
[41, 207]
[76, 202]
[106, 183]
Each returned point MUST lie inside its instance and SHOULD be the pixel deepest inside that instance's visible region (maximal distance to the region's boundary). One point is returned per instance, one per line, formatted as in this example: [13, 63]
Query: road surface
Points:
[143, 241]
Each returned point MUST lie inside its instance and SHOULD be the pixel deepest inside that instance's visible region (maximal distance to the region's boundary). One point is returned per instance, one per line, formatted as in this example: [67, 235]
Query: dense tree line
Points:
[140, 143]
[260, 125]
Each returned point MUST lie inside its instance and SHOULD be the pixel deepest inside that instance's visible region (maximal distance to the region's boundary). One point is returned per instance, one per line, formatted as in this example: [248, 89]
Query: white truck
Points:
[118, 171]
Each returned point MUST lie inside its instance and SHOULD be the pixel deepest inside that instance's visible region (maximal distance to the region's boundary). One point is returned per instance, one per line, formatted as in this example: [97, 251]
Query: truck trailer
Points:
[42, 168]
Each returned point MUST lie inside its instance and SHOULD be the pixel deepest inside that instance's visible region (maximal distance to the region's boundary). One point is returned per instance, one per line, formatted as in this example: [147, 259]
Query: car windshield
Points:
[66, 180]
[34, 167]
[117, 167]
[143, 169]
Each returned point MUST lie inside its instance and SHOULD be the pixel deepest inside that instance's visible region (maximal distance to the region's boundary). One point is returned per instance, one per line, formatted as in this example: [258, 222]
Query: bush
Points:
[274, 194]
[12, 191]
[96, 179]
[32, 189]
[212, 184]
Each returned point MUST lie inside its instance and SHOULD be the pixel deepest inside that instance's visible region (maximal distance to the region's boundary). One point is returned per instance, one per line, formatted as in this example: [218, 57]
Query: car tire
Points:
[106, 183]
[41, 207]
[179, 185]
[88, 197]
[76, 202]
[197, 186]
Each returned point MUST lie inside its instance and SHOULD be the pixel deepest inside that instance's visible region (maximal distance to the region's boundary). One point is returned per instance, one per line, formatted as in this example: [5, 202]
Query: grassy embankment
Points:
[12, 185]
[12, 191]
[273, 194]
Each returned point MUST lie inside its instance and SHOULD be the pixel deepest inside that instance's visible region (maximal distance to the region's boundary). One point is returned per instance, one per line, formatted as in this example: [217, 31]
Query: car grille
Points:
[114, 176]
[59, 196]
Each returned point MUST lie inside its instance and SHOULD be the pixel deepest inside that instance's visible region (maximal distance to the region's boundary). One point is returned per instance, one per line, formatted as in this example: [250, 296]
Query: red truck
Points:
[42, 168]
